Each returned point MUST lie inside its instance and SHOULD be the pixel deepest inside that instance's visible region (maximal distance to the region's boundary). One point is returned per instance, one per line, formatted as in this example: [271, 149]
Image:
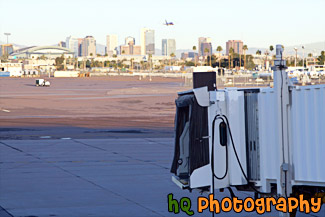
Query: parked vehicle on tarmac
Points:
[42, 83]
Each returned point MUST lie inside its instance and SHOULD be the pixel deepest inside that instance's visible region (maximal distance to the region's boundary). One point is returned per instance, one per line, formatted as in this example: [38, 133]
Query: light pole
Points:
[303, 56]
[296, 49]
[48, 64]
[150, 56]
[7, 52]
[7, 34]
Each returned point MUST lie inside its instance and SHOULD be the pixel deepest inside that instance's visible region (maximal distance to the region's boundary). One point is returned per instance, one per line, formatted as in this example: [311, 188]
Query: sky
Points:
[259, 23]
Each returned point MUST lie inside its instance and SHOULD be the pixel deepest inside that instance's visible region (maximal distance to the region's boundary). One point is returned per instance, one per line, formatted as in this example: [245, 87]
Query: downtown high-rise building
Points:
[88, 46]
[80, 41]
[192, 55]
[129, 40]
[6, 49]
[206, 49]
[72, 44]
[130, 48]
[143, 40]
[168, 46]
[62, 44]
[111, 45]
[205, 41]
[147, 38]
[237, 45]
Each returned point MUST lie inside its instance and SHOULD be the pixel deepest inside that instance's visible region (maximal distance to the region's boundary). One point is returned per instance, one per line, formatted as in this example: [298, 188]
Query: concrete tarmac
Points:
[93, 177]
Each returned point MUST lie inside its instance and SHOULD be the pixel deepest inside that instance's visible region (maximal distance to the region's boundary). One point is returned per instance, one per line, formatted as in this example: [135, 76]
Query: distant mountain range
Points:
[15, 46]
[315, 47]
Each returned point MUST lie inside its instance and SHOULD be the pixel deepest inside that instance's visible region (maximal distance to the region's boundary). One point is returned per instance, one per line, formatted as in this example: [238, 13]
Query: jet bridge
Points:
[267, 140]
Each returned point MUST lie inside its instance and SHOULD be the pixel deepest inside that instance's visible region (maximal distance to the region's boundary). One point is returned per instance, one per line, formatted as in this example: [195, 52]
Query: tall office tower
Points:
[147, 37]
[208, 46]
[125, 50]
[143, 40]
[150, 42]
[111, 44]
[62, 44]
[72, 44]
[129, 40]
[168, 46]
[164, 43]
[89, 46]
[237, 45]
[201, 41]
[6, 49]
[80, 40]
[130, 49]
[136, 50]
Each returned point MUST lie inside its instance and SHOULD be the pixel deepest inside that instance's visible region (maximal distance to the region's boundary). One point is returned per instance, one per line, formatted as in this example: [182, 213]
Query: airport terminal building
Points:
[37, 52]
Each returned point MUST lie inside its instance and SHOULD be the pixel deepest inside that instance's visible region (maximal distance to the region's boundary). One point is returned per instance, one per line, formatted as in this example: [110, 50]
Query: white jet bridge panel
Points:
[268, 138]
[236, 116]
[308, 134]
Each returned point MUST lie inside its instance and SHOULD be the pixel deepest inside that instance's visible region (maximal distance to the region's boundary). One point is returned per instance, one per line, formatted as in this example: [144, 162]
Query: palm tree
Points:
[231, 53]
[245, 49]
[132, 63]
[206, 51]
[75, 60]
[258, 52]
[271, 48]
[266, 55]
[141, 64]
[219, 49]
[172, 55]
[150, 62]
[194, 49]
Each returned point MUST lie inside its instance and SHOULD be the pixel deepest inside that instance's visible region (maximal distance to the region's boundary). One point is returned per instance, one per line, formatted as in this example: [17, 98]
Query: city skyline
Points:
[254, 23]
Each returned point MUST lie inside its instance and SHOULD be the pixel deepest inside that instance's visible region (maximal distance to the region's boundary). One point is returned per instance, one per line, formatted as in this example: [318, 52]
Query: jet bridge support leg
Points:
[281, 86]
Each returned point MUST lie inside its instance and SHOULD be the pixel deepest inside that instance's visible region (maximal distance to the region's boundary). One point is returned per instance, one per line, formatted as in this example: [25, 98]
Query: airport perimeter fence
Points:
[236, 81]
[250, 81]
[242, 80]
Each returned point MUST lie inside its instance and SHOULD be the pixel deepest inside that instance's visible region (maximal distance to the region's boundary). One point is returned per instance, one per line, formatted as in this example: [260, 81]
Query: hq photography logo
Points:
[260, 205]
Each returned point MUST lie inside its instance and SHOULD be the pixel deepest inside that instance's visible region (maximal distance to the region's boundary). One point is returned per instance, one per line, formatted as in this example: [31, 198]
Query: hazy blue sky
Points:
[259, 23]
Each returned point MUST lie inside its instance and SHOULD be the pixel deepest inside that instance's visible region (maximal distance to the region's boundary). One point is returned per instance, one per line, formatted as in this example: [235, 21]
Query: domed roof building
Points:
[36, 52]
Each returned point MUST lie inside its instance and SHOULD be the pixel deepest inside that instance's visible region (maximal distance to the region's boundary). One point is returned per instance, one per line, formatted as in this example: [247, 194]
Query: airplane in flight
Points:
[168, 23]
